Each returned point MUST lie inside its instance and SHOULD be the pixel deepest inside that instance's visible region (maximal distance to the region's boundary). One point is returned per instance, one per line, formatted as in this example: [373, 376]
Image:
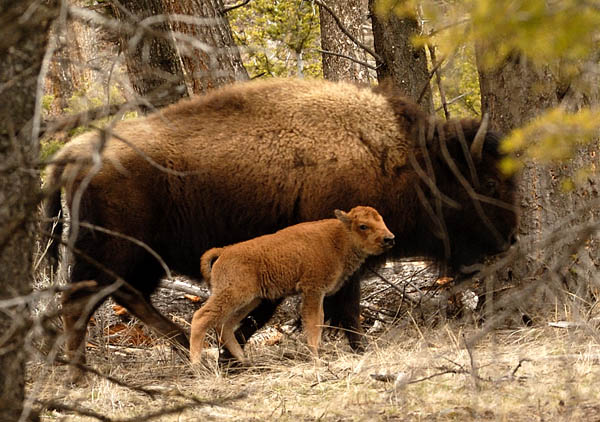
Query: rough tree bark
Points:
[403, 63]
[352, 15]
[153, 64]
[165, 69]
[513, 93]
[221, 63]
[22, 45]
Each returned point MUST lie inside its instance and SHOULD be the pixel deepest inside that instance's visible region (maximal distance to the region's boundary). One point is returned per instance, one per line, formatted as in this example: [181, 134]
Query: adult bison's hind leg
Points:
[141, 308]
[78, 305]
[343, 310]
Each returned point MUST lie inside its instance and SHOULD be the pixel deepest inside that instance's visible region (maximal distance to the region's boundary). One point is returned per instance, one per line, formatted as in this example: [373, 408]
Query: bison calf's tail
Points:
[207, 261]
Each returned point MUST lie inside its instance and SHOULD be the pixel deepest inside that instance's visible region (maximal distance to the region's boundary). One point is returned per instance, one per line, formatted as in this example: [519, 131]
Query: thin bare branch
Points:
[426, 84]
[363, 63]
[474, 369]
[77, 409]
[66, 123]
[40, 293]
[184, 286]
[438, 79]
[233, 7]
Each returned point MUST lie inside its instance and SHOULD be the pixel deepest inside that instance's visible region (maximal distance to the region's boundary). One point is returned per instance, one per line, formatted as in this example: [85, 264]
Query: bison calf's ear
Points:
[343, 217]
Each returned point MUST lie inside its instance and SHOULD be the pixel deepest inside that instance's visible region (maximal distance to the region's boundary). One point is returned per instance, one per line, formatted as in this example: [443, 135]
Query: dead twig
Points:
[77, 409]
[474, 370]
[438, 79]
[426, 84]
[54, 405]
[360, 62]
[514, 371]
[184, 286]
[49, 291]
[233, 7]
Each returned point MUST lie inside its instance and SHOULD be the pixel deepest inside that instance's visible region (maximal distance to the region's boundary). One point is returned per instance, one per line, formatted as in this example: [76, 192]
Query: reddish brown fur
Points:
[311, 259]
[253, 158]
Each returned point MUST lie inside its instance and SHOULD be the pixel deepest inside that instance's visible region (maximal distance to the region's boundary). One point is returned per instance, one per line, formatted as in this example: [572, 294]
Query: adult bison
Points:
[253, 158]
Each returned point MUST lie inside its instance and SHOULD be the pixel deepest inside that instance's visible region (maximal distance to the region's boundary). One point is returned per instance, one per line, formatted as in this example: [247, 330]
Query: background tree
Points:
[22, 46]
[153, 64]
[515, 93]
[401, 60]
[71, 66]
[215, 63]
[181, 48]
[335, 44]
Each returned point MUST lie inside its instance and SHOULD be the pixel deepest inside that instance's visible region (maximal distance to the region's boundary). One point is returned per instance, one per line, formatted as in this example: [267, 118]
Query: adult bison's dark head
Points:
[469, 203]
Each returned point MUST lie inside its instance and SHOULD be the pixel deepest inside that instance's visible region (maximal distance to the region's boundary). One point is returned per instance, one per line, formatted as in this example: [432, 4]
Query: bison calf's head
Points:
[368, 231]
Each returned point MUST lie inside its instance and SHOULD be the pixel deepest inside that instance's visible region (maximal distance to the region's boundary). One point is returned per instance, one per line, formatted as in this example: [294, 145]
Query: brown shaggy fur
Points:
[253, 158]
[312, 259]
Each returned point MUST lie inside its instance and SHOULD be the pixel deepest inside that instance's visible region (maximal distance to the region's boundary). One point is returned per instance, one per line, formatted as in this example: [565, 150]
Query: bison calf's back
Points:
[312, 259]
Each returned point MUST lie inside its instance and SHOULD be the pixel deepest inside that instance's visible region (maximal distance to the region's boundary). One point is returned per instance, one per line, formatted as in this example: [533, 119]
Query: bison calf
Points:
[312, 259]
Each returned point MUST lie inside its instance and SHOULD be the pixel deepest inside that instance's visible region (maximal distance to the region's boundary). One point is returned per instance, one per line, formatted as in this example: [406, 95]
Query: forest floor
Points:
[408, 373]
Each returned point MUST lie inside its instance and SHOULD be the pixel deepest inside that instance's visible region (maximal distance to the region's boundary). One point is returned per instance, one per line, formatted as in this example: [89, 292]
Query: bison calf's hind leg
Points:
[249, 324]
[223, 312]
[227, 336]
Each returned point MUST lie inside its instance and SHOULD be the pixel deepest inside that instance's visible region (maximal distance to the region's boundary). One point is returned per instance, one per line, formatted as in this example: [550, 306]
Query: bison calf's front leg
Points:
[312, 318]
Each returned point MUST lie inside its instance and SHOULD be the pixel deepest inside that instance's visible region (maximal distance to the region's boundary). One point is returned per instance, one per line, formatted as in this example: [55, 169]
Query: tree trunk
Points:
[352, 15]
[80, 63]
[153, 64]
[513, 94]
[192, 59]
[22, 43]
[403, 63]
[220, 62]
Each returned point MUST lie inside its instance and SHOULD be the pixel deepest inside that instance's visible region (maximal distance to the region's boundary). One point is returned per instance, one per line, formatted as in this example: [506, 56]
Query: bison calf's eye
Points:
[363, 227]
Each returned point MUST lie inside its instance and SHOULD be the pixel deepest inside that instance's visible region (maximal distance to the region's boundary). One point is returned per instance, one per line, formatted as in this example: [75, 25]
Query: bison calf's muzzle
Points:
[388, 242]
[312, 259]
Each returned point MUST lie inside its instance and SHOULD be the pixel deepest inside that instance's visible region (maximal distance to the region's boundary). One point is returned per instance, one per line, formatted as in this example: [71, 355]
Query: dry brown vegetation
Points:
[408, 373]
[421, 367]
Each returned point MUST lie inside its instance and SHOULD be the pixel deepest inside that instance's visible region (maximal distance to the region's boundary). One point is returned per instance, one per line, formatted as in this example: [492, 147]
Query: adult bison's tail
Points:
[206, 262]
[52, 227]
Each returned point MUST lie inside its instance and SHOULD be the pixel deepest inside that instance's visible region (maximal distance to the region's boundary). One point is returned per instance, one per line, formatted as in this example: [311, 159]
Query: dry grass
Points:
[520, 375]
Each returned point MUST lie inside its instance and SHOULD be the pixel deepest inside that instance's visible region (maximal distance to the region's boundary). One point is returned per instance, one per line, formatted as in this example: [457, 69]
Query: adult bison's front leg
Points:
[343, 310]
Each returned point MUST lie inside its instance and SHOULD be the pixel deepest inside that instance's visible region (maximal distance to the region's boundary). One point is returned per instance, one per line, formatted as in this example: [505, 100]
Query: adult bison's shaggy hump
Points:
[252, 158]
